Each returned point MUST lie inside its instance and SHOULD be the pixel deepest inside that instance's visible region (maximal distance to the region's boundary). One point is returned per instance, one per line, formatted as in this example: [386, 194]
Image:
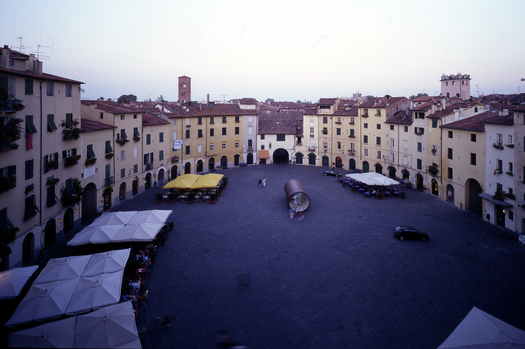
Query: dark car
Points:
[330, 173]
[408, 232]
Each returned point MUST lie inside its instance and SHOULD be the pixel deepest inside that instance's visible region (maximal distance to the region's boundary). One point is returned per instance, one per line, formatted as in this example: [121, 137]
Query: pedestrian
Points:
[264, 182]
[292, 213]
[301, 216]
[260, 182]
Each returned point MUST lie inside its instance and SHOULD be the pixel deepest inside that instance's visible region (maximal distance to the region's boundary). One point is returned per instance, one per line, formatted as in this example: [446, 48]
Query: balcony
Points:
[311, 148]
[71, 134]
[149, 166]
[71, 160]
[509, 145]
[351, 152]
[108, 181]
[12, 132]
[365, 115]
[250, 148]
[51, 165]
[498, 146]
[7, 183]
[10, 105]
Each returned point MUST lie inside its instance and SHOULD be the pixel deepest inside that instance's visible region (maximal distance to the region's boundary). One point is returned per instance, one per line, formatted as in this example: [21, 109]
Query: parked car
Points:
[330, 173]
[403, 232]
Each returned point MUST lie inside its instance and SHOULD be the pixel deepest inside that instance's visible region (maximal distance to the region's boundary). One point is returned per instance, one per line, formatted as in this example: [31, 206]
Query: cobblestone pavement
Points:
[337, 279]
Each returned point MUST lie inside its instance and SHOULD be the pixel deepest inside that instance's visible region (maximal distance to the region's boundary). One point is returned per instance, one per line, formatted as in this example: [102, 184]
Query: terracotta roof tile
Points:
[111, 107]
[43, 76]
[152, 120]
[477, 122]
[87, 125]
[402, 117]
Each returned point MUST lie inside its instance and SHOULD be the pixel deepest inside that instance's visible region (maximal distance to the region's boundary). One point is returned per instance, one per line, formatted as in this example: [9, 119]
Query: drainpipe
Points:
[41, 176]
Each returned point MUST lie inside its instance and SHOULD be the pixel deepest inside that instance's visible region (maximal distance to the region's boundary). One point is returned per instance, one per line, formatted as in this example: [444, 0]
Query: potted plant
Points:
[379, 195]
[29, 188]
[225, 181]
[402, 195]
[172, 197]
[159, 198]
[212, 199]
[91, 161]
[52, 181]
[191, 198]
[109, 155]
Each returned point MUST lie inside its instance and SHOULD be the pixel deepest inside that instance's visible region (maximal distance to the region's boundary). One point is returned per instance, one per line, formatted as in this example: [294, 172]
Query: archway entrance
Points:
[160, 176]
[187, 168]
[106, 195]
[50, 233]
[338, 162]
[224, 161]
[392, 172]
[450, 193]
[435, 186]
[299, 158]
[325, 161]
[89, 201]
[249, 159]
[419, 181]
[378, 168]
[200, 166]
[366, 167]
[236, 160]
[311, 159]
[147, 181]
[4, 258]
[406, 175]
[280, 155]
[28, 246]
[135, 186]
[352, 164]
[122, 191]
[211, 164]
[69, 221]
[174, 172]
[473, 200]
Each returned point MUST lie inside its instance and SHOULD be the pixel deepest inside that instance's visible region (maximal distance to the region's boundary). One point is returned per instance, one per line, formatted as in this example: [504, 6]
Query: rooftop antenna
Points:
[38, 55]
[21, 45]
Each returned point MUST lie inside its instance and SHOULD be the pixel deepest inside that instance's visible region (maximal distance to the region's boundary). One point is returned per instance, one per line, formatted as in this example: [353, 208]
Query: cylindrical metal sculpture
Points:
[297, 198]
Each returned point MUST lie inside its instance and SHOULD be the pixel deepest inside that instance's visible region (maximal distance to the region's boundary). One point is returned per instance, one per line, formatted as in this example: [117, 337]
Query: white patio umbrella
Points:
[114, 218]
[12, 281]
[372, 178]
[482, 330]
[109, 327]
[138, 232]
[154, 216]
[63, 269]
[56, 334]
[43, 302]
[95, 234]
[107, 262]
[95, 292]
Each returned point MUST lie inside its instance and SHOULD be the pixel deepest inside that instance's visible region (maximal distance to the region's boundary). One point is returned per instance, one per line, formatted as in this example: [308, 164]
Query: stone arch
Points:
[122, 191]
[28, 249]
[89, 201]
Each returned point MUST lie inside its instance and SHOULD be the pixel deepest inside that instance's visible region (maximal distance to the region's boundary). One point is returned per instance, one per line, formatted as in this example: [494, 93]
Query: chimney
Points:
[208, 98]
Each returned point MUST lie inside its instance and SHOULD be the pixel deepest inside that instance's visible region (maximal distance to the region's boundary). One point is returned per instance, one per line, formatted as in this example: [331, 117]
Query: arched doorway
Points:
[352, 164]
[249, 159]
[147, 181]
[50, 233]
[450, 193]
[89, 201]
[299, 158]
[419, 181]
[378, 168]
[366, 167]
[135, 186]
[187, 168]
[174, 172]
[311, 159]
[325, 160]
[500, 216]
[392, 172]
[224, 161]
[122, 191]
[473, 200]
[106, 195]
[236, 160]
[211, 164]
[406, 175]
[28, 247]
[160, 176]
[69, 221]
[200, 166]
[338, 162]
[280, 155]
[5, 251]
[435, 186]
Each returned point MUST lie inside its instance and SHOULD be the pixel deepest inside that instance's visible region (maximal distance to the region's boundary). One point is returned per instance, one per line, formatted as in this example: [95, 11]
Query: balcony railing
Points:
[7, 183]
[149, 166]
[498, 146]
[351, 152]
[311, 148]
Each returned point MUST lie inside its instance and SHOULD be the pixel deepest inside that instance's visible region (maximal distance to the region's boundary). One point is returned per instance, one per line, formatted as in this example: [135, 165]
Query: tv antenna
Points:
[38, 55]
[21, 44]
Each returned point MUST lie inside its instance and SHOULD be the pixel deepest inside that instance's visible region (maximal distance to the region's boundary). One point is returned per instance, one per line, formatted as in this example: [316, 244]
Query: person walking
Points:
[292, 213]
[260, 182]
[264, 182]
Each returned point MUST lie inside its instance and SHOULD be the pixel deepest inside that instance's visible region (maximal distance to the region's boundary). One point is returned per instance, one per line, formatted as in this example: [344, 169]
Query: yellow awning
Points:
[182, 182]
[264, 154]
[210, 180]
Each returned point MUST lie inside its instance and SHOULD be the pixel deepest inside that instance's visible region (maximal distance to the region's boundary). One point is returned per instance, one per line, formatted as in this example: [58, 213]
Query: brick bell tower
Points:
[184, 89]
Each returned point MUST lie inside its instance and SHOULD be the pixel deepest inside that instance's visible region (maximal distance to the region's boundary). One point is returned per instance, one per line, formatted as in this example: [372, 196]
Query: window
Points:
[101, 115]
[434, 123]
[378, 112]
[378, 126]
[49, 89]
[173, 122]
[237, 130]
[449, 153]
[187, 134]
[212, 132]
[281, 138]
[419, 146]
[29, 87]
[312, 119]
[199, 148]
[365, 125]
[224, 131]
[365, 152]
[472, 137]
[5, 223]
[123, 173]
[30, 207]
[199, 121]
[30, 127]
[325, 130]
[122, 117]
[135, 168]
[365, 139]
[123, 133]
[473, 159]
[108, 147]
[500, 165]
[450, 134]
[419, 164]
[51, 126]
[325, 120]
[90, 152]
[249, 143]
[405, 160]
[161, 155]
[237, 119]
[262, 146]
[405, 144]
[135, 116]
[352, 133]
[391, 127]
[122, 155]
[236, 144]
[29, 169]
[51, 199]
[511, 167]
[352, 121]
[338, 131]
[510, 139]
[68, 90]
[161, 137]
[148, 139]
[475, 109]
[419, 130]
[406, 128]
[136, 133]
[378, 140]
[338, 145]
[212, 120]
[187, 150]
[391, 142]
[391, 157]
[211, 147]
[224, 119]
[223, 145]
[379, 154]
[69, 121]
[449, 173]
[338, 120]
[135, 152]
[511, 215]
[187, 121]
[262, 137]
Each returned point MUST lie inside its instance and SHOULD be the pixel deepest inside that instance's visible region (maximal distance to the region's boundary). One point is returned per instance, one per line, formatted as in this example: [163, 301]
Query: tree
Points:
[419, 95]
[126, 98]
[161, 99]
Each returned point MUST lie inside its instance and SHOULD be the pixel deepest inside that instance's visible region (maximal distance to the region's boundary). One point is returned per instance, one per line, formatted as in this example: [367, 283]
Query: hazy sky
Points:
[280, 49]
